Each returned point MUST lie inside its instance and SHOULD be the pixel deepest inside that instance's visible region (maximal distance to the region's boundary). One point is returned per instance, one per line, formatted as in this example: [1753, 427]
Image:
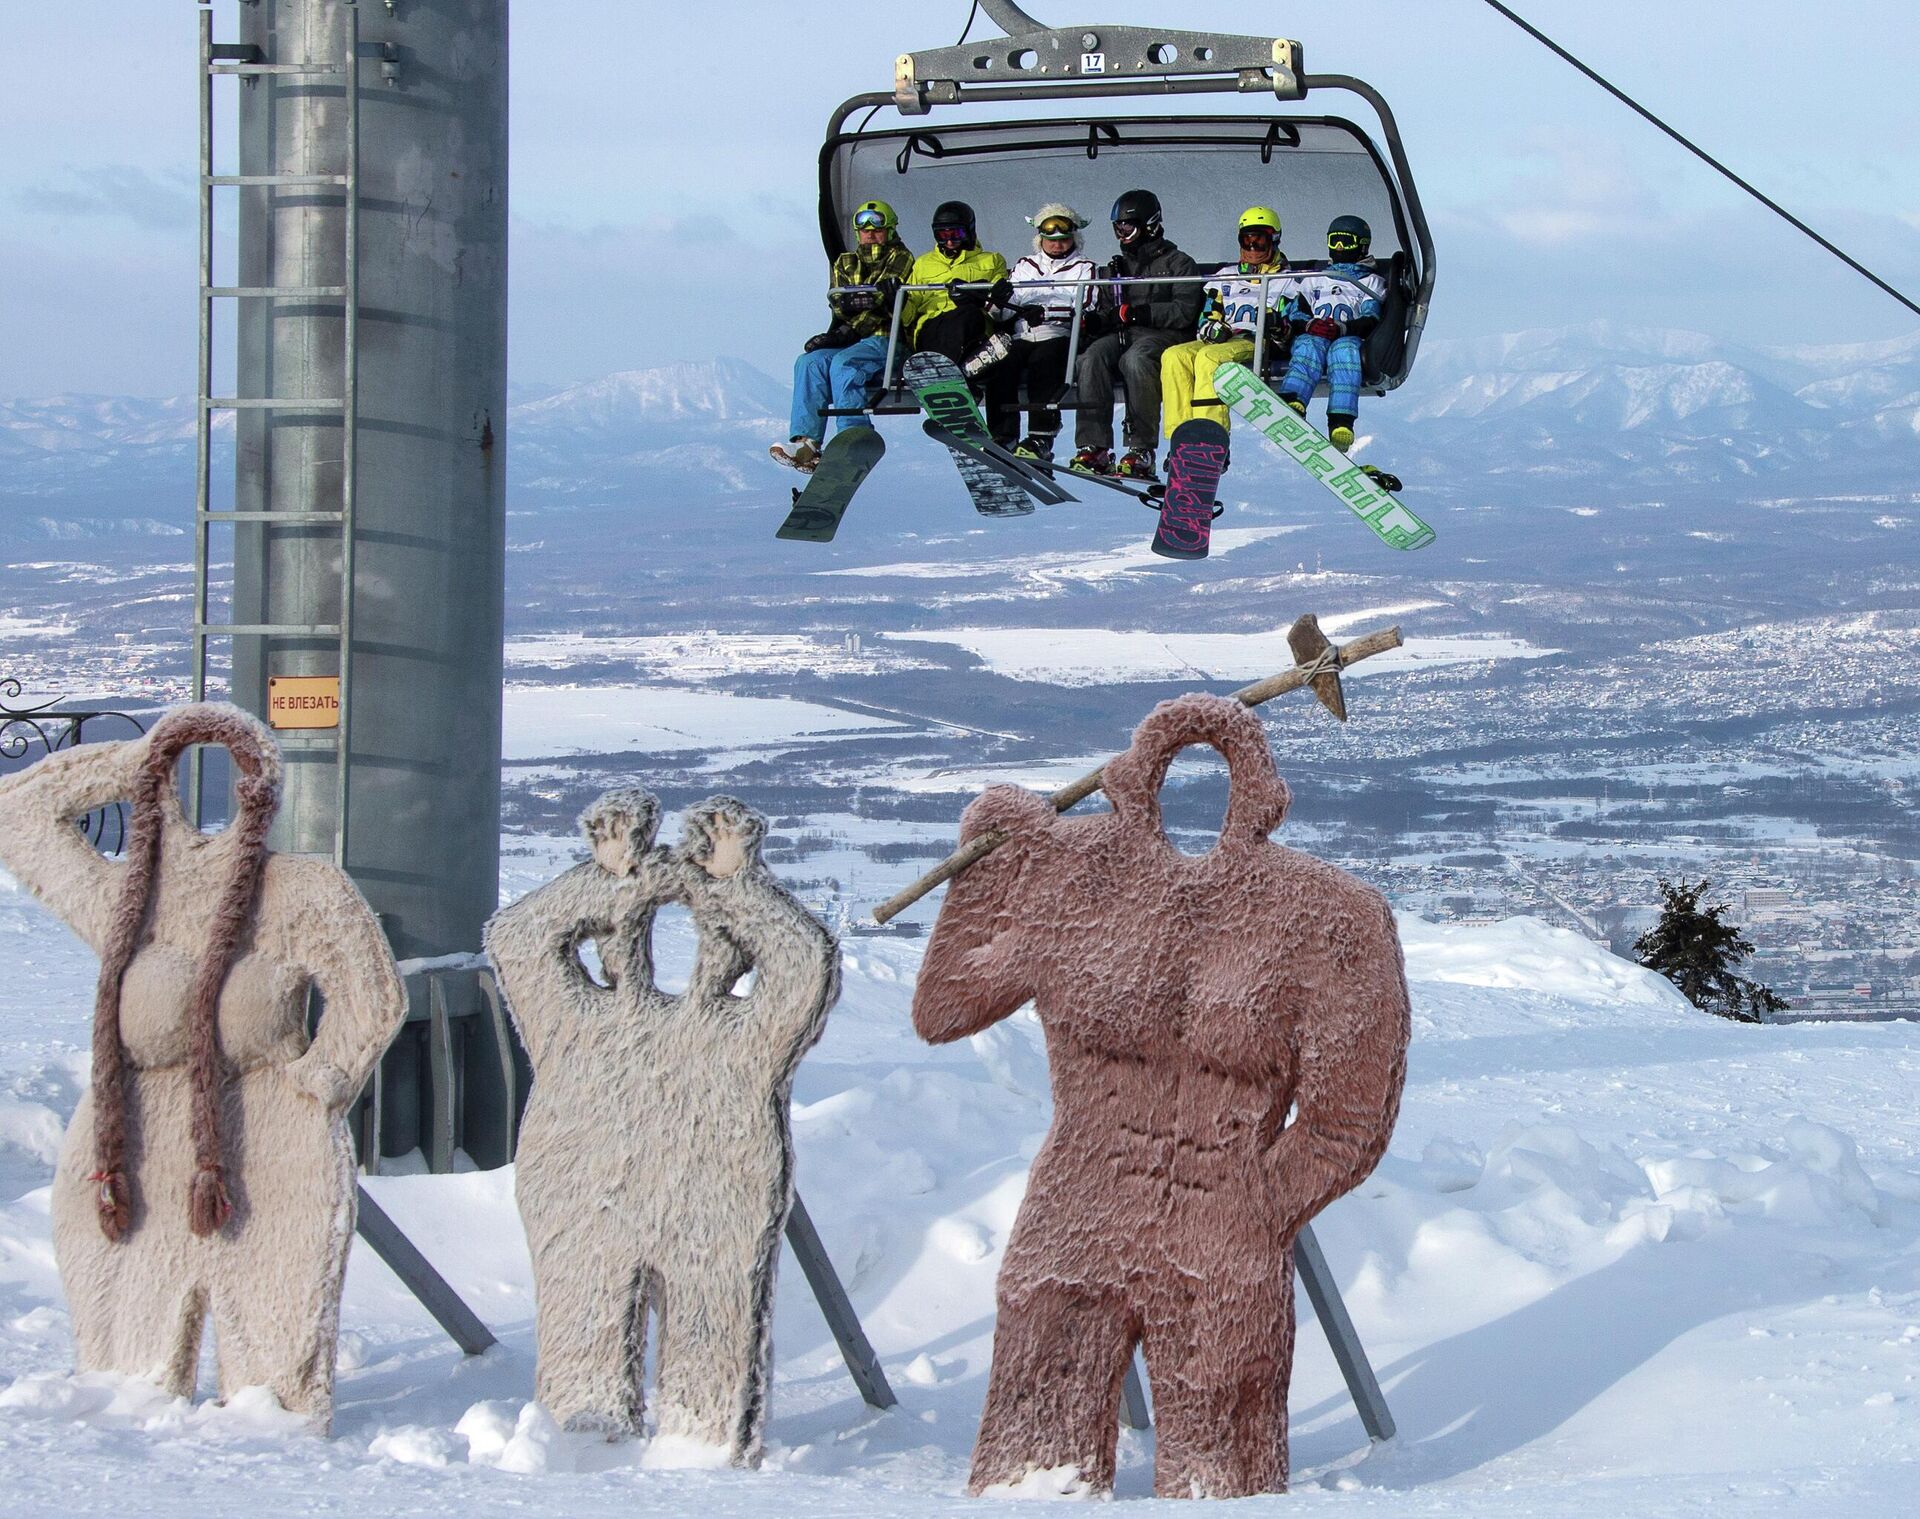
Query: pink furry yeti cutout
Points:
[1190, 1005]
[655, 1163]
[209, 1169]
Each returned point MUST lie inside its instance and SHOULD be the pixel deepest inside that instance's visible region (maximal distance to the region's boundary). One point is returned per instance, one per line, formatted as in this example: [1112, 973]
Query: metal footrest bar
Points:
[298, 70]
[273, 179]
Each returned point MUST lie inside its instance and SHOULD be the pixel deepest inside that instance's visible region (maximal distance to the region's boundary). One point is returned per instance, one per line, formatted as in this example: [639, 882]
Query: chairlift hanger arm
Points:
[1111, 54]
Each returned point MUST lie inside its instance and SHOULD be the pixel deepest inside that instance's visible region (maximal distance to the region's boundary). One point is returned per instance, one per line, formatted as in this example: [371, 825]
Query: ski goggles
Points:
[1056, 227]
[869, 221]
[1342, 242]
[1256, 237]
[954, 236]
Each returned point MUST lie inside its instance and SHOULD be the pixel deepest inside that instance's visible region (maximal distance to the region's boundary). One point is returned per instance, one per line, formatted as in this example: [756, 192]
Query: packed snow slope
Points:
[1621, 1259]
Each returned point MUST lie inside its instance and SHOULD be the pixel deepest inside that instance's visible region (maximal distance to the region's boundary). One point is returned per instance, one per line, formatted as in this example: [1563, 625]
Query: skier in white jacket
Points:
[1039, 313]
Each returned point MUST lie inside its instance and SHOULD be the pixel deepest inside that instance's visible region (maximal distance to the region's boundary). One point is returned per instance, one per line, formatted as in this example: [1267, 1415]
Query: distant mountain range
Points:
[1561, 413]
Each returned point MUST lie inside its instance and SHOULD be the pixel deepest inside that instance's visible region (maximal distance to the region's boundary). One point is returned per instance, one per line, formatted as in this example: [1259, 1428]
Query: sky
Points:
[663, 168]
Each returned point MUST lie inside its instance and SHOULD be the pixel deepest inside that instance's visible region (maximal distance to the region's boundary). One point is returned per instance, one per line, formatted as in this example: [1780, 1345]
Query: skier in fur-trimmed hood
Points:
[1052, 287]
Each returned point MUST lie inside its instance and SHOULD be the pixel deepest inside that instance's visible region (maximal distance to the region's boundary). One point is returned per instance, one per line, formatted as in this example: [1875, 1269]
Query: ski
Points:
[942, 391]
[989, 454]
[1363, 491]
[848, 459]
[1195, 463]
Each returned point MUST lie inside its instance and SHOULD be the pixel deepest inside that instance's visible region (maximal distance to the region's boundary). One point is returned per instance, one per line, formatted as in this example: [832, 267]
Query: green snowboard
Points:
[1252, 400]
[848, 458]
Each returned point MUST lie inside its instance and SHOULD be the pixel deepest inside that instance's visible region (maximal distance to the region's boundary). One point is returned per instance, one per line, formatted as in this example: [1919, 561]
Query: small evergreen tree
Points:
[1697, 951]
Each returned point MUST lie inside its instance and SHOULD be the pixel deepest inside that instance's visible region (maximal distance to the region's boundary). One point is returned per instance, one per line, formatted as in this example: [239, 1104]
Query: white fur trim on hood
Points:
[1057, 208]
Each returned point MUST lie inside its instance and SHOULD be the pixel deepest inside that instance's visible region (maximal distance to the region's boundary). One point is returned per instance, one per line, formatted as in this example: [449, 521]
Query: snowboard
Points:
[1195, 462]
[1037, 484]
[1252, 400]
[848, 458]
[942, 391]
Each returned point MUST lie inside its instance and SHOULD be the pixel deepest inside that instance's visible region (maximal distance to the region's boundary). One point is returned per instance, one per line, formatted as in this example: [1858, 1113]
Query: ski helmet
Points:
[1348, 238]
[1260, 216]
[951, 214]
[874, 213]
[1138, 210]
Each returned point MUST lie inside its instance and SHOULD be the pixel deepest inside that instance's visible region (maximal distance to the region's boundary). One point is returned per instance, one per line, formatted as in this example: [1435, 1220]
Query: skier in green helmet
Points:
[838, 365]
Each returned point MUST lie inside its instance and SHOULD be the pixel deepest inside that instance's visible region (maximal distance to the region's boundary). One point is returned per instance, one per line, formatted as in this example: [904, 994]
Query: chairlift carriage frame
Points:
[1329, 162]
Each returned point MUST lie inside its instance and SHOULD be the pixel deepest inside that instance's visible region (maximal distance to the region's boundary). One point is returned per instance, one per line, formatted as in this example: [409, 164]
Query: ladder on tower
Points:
[245, 61]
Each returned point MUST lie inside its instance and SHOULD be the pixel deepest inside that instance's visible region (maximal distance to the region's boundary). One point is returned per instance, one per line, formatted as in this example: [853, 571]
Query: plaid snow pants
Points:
[1338, 359]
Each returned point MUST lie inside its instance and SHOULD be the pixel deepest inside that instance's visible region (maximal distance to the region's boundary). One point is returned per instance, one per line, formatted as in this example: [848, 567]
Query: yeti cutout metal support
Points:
[655, 1167]
[208, 1171]
[1226, 1041]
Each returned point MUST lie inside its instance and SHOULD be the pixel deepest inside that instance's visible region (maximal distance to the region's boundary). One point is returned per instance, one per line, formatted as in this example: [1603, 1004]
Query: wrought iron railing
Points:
[28, 733]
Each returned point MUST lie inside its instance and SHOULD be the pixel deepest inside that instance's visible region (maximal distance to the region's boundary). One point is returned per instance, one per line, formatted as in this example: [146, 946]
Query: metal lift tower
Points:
[369, 304]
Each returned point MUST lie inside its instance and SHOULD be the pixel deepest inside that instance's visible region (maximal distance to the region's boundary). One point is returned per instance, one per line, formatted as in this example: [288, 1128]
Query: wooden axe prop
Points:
[1318, 666]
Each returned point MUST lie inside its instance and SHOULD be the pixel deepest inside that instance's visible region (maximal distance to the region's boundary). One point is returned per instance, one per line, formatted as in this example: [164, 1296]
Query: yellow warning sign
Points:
[303, 701]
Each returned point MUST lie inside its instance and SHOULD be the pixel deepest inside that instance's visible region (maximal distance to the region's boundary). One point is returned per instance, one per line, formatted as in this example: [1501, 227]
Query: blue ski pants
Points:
[834, 377]
[1338, 360]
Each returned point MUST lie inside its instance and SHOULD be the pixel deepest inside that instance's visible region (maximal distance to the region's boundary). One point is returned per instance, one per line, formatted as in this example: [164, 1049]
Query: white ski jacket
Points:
[1042, 281]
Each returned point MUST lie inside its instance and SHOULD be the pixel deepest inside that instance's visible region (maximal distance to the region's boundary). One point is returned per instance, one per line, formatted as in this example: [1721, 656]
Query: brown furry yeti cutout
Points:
[1190, 1006]
[655, 1163]
[209, 1169]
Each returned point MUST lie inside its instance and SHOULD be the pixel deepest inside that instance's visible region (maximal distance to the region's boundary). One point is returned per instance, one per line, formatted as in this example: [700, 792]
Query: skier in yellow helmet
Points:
[1227, 322]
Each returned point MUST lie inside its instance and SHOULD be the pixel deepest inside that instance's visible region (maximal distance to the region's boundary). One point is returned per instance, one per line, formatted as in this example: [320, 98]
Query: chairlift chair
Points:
[1204, 168]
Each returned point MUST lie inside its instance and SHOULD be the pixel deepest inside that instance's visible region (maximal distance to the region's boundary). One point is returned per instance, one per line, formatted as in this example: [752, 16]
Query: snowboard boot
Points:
[1136, 464]
[1340, 431]
[802, 454]
[1388, 483]
[988, 354]
[1035, 446]
[1093, 460]
[1294, 404]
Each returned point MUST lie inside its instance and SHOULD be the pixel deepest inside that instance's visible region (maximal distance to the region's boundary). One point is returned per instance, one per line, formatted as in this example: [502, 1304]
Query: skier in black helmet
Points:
[949, 320]
[1149, 319]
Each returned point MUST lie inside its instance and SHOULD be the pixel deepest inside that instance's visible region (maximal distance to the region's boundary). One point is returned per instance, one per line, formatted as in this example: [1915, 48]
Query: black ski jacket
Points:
[1173, 307]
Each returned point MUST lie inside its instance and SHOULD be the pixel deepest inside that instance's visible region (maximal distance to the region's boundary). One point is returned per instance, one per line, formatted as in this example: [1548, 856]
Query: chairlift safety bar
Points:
[887, 381]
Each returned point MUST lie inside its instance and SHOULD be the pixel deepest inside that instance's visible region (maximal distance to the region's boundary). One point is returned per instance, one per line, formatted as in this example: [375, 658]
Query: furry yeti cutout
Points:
[209, 1169]
[1190, 1006]
[655, 1164]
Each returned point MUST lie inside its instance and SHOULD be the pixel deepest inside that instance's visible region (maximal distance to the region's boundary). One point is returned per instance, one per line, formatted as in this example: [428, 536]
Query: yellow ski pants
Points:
[1186, 376]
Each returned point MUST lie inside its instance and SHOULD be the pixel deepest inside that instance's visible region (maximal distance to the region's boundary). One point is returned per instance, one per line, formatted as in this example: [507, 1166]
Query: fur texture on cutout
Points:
[1190, 1006]
[237, 1105]
[655, 1165]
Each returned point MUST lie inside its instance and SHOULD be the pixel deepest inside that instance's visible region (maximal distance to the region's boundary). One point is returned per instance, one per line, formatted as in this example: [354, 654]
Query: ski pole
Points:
[1319, 668]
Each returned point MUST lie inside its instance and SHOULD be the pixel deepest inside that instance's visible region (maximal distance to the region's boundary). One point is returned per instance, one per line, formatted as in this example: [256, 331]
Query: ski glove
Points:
[1000, 292]
[1324, 327]
[1135, 315]
[1215, 332]
[1035, 314]
[960, 295]
[836, 336]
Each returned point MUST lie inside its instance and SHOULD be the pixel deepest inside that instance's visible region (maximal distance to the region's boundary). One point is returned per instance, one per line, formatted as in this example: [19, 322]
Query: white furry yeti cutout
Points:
[655, 1163]
[208, 1170]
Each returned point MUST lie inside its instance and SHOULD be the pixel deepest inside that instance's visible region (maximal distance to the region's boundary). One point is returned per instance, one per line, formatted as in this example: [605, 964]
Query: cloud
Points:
[154, 202]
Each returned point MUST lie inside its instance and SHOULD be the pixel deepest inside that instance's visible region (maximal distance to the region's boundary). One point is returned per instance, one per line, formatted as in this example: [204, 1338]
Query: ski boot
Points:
[1340, 432]
[1136, 464]
[1035, 446]
[1093, 461]
[802, 454]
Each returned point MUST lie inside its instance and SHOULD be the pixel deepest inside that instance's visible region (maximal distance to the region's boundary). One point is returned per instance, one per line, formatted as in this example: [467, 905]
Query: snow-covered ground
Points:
[1621, 1259]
